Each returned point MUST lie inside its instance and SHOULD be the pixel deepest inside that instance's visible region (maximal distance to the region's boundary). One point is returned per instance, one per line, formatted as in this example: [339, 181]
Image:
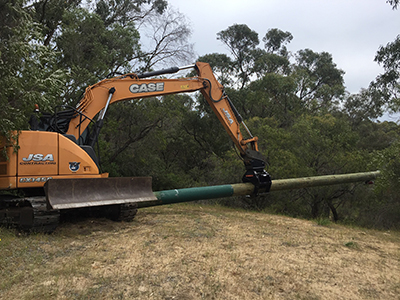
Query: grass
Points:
[188, 251]
[323, 221]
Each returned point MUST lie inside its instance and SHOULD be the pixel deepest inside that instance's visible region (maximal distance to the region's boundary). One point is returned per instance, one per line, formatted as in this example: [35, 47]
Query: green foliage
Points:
[352, 245]
[389, 82]
[320, 83]
[91, 50]
[240, 39]
[376, 136]
[388, 161]
[301, 128]
[271, 96]
[242, 42]
[50, 15]
[126, 11]
[28, 73]
[367, 104]
[275, 40]
[265, 62]
[323, 221]
[312, 146]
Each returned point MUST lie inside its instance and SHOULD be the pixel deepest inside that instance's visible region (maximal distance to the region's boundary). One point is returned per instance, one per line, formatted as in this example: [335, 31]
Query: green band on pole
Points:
[190, 194]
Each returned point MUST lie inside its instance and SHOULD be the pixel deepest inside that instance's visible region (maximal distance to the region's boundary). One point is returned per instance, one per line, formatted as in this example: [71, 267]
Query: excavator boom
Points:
[132, 86]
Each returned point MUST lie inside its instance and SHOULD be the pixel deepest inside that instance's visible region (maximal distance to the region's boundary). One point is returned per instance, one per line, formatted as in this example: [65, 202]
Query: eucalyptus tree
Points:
[275, 41]
[275, 58]
[241, 42]
[27, 68]
[90, 50]
[320, 83]
[368, 104]
[388, 83]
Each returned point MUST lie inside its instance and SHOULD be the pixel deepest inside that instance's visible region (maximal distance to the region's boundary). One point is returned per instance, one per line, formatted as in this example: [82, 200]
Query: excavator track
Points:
[29, 214]
[123, 212]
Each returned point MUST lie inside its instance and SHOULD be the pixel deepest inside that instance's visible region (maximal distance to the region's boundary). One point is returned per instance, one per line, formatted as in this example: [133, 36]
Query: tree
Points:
[247, 59]
[167, 40]
[27, 68]
[367, 104]
[164, 32]
[393, 3]
[272, 96]
[128, 11]
[90, 50]
[265, 62]
[382, 211]
[275, 41]
[320, 82]
[375, 136]
[389, 82]
[181, 148]
[128, 123]
[315, 145]
[50, 13]
[242, 42]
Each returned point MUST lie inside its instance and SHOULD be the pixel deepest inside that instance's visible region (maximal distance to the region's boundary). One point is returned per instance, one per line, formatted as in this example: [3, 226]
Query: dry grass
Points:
[192, 252]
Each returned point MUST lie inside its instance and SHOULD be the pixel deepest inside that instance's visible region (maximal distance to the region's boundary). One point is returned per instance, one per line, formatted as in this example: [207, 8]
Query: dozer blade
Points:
[76, 193]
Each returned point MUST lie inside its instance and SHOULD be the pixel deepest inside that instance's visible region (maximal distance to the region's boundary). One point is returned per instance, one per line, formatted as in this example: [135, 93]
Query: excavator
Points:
[56, 168]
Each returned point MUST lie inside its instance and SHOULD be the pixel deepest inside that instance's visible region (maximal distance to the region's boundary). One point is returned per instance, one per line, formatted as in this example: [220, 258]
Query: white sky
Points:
[350, 30]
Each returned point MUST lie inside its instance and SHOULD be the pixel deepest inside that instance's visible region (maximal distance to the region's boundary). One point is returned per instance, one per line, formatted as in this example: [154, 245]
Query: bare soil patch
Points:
[190, 251]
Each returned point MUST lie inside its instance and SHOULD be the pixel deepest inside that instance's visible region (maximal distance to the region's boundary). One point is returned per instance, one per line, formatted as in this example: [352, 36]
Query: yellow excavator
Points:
[56, 168]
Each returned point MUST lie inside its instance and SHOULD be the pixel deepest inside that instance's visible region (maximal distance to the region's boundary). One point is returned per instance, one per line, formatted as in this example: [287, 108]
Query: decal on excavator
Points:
[34, 179]
[146, 88]
[228, 116]
[74, 166]
[38, 157]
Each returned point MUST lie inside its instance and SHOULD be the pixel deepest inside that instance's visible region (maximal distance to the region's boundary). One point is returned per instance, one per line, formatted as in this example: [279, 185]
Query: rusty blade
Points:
[75, 193]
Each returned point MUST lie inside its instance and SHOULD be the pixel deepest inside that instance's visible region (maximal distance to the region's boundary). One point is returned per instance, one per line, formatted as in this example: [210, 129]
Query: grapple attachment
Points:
[88, 192]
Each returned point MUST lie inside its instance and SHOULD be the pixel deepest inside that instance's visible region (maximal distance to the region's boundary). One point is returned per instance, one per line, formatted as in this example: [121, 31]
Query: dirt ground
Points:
[190, 251]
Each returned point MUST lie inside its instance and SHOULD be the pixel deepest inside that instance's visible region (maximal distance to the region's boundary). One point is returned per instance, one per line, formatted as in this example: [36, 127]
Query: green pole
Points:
[228, 190]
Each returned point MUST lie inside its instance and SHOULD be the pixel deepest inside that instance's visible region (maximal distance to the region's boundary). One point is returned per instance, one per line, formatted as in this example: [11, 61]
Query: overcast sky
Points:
[350, 30]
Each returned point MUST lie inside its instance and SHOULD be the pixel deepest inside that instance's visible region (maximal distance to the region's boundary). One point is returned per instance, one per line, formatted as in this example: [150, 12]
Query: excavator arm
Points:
[133, 86]
[232, 121]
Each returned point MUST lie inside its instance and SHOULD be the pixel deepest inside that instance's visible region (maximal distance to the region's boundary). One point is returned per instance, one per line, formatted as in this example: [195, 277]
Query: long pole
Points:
[229, 190]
